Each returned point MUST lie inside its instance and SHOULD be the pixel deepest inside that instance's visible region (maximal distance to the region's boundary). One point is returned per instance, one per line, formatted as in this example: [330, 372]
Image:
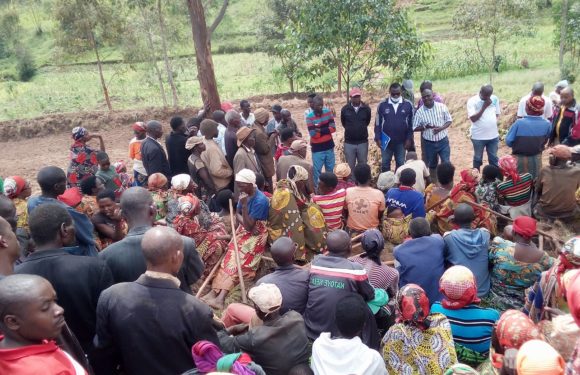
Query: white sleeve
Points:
[522, 107]
[471, 110]
[497, 106]
[548, 112]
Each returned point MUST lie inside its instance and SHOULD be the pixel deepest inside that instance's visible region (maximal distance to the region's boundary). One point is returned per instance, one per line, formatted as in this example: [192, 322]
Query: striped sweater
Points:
[320, 128]
[332, 205]
[516, 194]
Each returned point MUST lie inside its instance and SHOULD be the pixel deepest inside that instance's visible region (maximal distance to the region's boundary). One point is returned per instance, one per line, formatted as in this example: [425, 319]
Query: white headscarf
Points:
[181, 181]
[247, 176]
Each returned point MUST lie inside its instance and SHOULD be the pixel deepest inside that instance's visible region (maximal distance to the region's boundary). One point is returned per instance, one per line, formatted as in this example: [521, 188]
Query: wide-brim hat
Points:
[242, 134]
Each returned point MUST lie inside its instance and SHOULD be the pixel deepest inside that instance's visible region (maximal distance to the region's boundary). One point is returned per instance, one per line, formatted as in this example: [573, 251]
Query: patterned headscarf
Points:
[537, 357]
[573, 298]
[508, 165]
[157, 181]
[535, 105]
[119, 166]
[209, 358]
[386, 181]
[514, 328]
[469, 178]
[139, 126]
[13, 186]
[301, 174]
[188, 204]
[79, 132]
[413, 306]
[180, 182]
[561, 152]
[261, 116]
[525, 226]
[459, 287]
[342, 170]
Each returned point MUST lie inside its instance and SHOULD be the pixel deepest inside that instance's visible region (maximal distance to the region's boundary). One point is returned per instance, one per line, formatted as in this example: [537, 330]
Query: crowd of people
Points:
[98, 271]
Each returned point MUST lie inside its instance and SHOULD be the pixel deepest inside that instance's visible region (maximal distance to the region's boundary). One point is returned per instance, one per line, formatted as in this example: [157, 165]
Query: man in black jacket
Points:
[149, 325]
[175, 144]
[125, 257]
[152, 153]
[355, 116]
[77, 280]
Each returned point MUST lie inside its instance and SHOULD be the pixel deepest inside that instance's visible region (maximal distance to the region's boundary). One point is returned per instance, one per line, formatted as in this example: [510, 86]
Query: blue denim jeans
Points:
[436, 150]
[491, 145]
[393, 149]
[356, 154]
[322, 159]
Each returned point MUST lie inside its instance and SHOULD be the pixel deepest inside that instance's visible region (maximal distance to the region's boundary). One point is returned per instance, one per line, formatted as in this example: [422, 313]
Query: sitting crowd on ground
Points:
[107, 271]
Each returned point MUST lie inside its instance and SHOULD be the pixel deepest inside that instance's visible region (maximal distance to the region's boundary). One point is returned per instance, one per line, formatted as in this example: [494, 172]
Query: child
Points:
[126, 181]
[331, 200]
[109, 224]
[287, 136]
[108, 176]
[139, 172]
[486, 189]
[396, 225]
[30, 320]
[223, 199]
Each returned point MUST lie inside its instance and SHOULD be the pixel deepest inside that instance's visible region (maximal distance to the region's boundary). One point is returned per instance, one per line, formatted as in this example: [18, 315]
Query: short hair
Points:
[286, 134]
[8, 211]
[350, 315]
[260, 181]
[176, 122]
[45, 221]
[153, 124]
[223, 198]
[362, 173]
[231, 115]
[194, 121]
[244, 102]
[208, 125]
[426, 85]
[15, 292]
[311, 95]
[88, 184]
[491, 172]
[329, 179]
[408, 177]
[102, 155]
[318, 98]
[135, 200]
[395, 85]
[419, 227]
[49, 176]
[218, 115]
[445, 172]
[107, 193]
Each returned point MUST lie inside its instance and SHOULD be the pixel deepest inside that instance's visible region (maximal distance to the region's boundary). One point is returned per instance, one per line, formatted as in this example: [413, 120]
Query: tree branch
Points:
[219, 17]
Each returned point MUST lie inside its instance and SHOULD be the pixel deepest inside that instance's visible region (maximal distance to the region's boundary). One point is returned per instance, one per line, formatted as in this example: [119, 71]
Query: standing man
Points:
[394, 127]
[220, 118]
[175, 144]
[355, 117]
[537, 90]
[565, 120]
[320, 124]
[263, 147]
[247, 116]
[152, 153]
[274, 127]
[433, 119]
[213, 157]
[483, 111]
[234, 121]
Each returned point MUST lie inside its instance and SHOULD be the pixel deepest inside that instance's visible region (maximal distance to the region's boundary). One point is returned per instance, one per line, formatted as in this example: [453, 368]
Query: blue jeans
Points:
[356, 154]
[393, 149]
[322, 159]
[435, 150]
[491, 145]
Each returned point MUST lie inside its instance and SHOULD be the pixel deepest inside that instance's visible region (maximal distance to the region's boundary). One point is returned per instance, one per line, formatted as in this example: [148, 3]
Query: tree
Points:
[168, 68]
[85, 25]
[359, 36]
[567, 30]
[490, 23]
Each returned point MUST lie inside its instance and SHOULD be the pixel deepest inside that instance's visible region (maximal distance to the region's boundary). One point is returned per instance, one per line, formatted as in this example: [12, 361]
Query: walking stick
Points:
[436, 204]
[237, 252]
[509, 219]
[210, 276]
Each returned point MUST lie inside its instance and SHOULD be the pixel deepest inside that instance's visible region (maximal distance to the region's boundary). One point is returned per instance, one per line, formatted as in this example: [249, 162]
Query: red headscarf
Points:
[413, 305]
[525, 226]
[459, 287]
[469, 178]
[189, 205]
[139, 126]
[157, 181]
[508, 166]
[535, 106]
[573, 298]
[13, 186]
[71, 197]
[514, 328]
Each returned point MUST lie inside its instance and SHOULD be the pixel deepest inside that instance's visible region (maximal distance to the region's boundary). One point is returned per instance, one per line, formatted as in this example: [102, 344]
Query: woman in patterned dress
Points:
[83, 159]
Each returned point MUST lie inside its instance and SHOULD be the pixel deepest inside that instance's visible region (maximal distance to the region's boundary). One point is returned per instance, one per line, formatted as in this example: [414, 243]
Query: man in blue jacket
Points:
[394, 127]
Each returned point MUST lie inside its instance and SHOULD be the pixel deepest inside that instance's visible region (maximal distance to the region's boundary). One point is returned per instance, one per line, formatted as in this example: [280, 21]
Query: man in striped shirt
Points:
[433, 119]
[320, 123]
[331, 200]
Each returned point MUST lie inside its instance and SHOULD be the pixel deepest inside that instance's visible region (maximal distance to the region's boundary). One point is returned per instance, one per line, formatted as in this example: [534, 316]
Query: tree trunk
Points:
[165, 56]
[205, 70]
[219, 17]
[563, 31]
[100, 66]
[153, 59]
[291, 81]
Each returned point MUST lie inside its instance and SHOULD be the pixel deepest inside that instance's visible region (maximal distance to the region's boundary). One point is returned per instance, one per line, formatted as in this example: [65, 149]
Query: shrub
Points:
[568, 72]
[25, 65]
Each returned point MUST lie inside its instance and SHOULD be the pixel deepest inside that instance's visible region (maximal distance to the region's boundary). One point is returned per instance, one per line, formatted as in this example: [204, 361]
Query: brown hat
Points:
[242, 134]
[192, 142]
[298, 145]
[261, 116]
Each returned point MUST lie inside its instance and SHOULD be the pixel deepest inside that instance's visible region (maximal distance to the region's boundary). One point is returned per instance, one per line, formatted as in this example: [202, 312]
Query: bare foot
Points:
[208, 297]
[215, 303]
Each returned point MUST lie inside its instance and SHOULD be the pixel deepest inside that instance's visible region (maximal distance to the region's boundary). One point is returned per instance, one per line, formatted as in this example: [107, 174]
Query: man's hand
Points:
[116, 215]
[243, 199]
[487, 103]
[437, 130]
[238, 329]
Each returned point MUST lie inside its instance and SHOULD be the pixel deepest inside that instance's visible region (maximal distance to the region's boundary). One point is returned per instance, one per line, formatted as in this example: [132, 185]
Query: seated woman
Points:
[471, 324]
[516, 265]
[409, 345]
[181, 185]
[251, 235]
[109, 224]
[204, 227]
[463, 192]
[486, 189]
[90, 187]
[516, 191]
[157, 185]
[396, 225]
[198, 170]
[207, 357]
[437, 191]
[292, 214]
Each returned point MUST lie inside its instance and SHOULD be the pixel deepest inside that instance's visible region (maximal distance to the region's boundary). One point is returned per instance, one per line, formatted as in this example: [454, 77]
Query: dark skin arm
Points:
[203, 174]
[246, 220]
[427, 181]
[116, 234]
[381, 216]
[101, 142]
[478, 115]
[439, 130]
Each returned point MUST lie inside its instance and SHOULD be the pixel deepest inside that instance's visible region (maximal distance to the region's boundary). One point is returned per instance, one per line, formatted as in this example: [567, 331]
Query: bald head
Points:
[161, 246]
[52, 180]
[8, 211]
[463, 214]
[283, 251]
[538, 89]
[338, 243]
[136, 203]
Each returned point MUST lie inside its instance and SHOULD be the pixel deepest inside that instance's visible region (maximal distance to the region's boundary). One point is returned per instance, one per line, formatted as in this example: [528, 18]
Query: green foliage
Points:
[572, 37]
[10, 32]
[569, 71]
[25, 65]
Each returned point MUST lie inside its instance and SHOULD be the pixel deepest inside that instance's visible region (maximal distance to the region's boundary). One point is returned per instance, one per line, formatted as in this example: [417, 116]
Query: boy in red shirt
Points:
[30, 320]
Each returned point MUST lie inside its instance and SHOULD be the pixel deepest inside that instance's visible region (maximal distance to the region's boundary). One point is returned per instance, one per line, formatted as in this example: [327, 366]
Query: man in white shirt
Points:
[247, 116]
[483, 111]
[537, 90]
[422, 173]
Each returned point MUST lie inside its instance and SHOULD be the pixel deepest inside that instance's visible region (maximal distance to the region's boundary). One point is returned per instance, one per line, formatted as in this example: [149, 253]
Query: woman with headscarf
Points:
[471, 324]
[537, 357]
[516, 265]
[209, 358]
[194, 220]
[83, 159]
[292, 214]
[18, 190]
[181, 185]
[343, 173]
[420, 342]
[251, 237]
[549, 292]
[516, 190]
[463, 192]
[157, 185]
[198, 170]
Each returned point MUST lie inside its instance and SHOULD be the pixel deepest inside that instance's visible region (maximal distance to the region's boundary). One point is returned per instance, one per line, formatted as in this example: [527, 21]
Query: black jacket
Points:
[149, 327]
[78, 282]
[355, 123]
[126, 261]
[154, 158]
[178, 155]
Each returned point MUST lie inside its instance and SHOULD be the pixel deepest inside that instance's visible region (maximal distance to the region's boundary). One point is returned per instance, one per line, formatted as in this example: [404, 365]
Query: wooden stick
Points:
[541, 242]
[237, 252]
[509, 219]
[436, 204]
[210, 276]
[356, 238]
